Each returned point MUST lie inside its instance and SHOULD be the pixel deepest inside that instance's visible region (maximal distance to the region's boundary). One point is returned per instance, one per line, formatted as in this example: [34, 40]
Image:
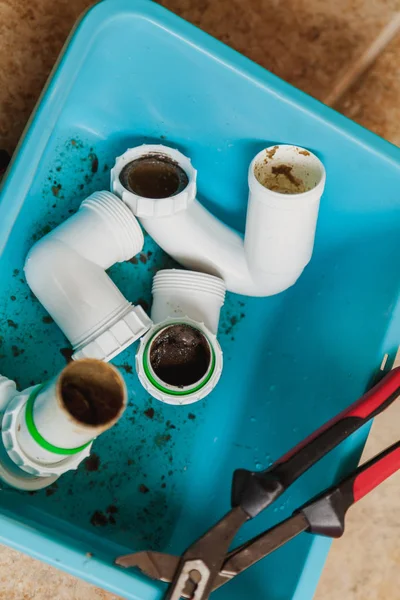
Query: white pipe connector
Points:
[285, 187]
[48, 429]
[179, 360]
[66, 270]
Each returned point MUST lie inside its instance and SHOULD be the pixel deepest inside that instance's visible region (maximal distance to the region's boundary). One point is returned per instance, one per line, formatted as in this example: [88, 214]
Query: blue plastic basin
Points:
[132, 72]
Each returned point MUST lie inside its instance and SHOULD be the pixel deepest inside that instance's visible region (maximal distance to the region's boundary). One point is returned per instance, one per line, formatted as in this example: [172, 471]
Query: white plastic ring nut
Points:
[168, 393]
[124, 332]
[154, 207]
[15, 452]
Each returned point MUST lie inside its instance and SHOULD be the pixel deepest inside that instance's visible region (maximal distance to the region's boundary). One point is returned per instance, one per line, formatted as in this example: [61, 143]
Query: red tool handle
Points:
[370, 475]
[368, 406]
[327, 512]
[254, 491]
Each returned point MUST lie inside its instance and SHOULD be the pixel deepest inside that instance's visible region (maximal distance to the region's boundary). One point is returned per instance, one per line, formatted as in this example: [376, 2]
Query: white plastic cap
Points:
[122, 333]
[18, 456]
[154, 207]
[168, 393]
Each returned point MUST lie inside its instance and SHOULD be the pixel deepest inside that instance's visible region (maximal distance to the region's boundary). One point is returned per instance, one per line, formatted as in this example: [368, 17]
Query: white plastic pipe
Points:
[186, 308]
[66, 270]
[48, 429]
[178, 293]
[68, 412]
[285, 186]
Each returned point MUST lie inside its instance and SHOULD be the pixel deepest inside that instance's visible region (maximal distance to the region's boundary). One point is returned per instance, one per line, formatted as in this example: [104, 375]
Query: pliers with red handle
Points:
[207, 565]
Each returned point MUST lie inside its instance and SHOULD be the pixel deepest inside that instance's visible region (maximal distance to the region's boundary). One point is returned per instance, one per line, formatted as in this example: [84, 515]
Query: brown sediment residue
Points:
[127, 368]
[286, 171]
[180, 355]
[13, 298]
[98, 519]
[133, 260]
[92, 463]
[143, 258]
[154, 176]
[143, 489]
[271, 152]
[304, 152]
[191, 416]
[12, 324]
[67, 354]
[149, 413]
[47, 319]
[149, 253]
[130, 462]
[52, 489]
[112, 509]
[73, 142]
[15, 272]
[91, 392]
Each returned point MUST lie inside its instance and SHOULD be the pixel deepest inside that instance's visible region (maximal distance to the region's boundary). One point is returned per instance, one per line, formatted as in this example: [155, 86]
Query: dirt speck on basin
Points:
[92, 463]
[99, 519]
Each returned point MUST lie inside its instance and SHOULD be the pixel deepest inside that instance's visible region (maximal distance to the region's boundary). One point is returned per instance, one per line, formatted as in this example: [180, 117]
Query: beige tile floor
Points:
[309, 43]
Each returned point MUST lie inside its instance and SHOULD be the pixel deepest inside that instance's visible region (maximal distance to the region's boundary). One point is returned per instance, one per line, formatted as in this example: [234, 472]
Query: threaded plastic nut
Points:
[125, 331]
[150, 207]
[15, 452]
[190, 397]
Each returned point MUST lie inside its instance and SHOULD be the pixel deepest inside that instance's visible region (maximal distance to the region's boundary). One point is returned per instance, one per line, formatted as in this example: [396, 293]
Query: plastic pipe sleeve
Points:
[66, 271]
[285, 187]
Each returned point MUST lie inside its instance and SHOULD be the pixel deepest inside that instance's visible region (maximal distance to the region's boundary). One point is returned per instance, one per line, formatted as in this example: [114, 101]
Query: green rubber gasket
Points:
[167, 390]
[39, 439]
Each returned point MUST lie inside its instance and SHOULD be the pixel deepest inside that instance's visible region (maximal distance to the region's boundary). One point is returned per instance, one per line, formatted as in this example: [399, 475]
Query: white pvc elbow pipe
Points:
[66, 270]
[185, 311]
[285, 186]
[48, 429]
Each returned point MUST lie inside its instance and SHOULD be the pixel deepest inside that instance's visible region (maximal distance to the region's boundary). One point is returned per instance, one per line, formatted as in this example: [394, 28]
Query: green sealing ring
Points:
[167, 390]
[39, 439]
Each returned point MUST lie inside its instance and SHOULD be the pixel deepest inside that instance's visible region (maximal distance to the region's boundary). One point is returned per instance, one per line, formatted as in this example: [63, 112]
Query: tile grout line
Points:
[364, 61]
